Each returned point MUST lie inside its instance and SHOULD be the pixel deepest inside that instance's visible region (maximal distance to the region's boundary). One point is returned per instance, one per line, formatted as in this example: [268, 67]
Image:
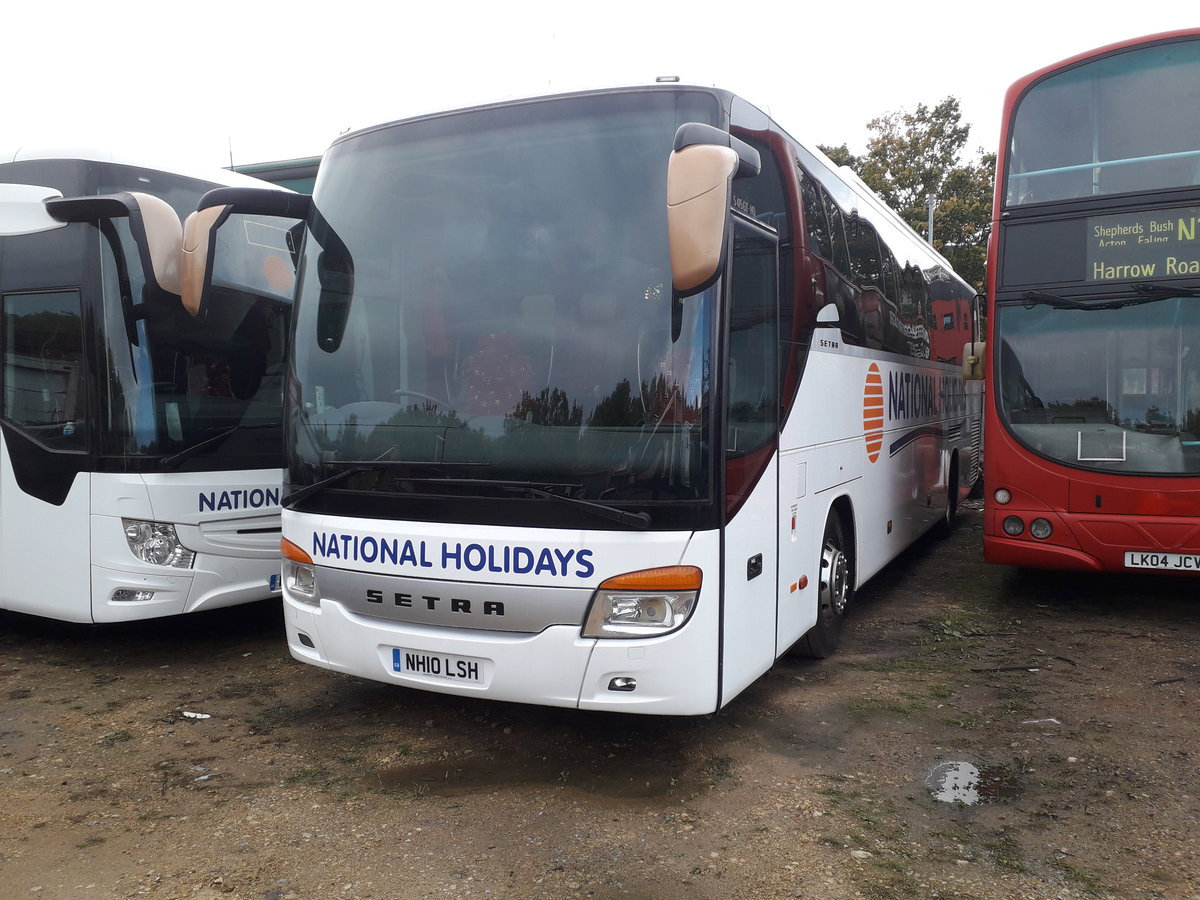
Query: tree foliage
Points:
[913, 156]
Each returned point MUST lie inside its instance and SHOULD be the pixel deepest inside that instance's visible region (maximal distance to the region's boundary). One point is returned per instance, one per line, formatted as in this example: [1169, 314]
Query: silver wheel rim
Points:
[835, 579]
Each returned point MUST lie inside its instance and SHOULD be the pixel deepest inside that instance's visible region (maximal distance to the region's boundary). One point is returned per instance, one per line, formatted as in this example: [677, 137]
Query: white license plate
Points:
[1169, 562]
[440, 666]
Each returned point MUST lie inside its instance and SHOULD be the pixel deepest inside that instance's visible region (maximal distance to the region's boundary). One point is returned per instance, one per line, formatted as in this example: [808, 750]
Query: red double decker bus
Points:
[1092, 458]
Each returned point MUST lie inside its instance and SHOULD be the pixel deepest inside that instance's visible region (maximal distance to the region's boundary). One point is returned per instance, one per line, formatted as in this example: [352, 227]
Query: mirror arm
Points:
[691, 134]
[258, 201]
[129, 205]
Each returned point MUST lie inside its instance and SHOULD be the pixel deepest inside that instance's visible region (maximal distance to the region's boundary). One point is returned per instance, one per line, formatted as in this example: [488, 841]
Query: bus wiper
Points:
[612, 513]
[296, 496]
[538, 489]
[1162, 291]
[357, 467]
[1044, 298]
[172, 461]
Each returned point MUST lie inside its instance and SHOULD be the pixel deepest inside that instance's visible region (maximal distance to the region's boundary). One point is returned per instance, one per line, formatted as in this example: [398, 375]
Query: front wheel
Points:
[835, 590]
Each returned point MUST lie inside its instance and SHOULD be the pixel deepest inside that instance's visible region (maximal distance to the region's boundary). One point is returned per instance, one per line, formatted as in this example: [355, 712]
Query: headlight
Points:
[646, 603]
[157, 543]
[1013, 526]
[299, 573]
[1041, 529]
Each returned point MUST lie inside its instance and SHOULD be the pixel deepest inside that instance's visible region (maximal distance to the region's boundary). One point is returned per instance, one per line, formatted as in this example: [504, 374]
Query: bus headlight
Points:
[157, 543]
[299, 574]
[646, 603]
[1013, 526]
[1041, 529]
[1003, 495]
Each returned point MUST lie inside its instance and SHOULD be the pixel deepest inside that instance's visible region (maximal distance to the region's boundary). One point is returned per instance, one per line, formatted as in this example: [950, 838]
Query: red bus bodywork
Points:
[1099, 520]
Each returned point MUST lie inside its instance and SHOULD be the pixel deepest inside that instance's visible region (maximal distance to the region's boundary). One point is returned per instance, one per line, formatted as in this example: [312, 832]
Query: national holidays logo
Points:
[873, 412]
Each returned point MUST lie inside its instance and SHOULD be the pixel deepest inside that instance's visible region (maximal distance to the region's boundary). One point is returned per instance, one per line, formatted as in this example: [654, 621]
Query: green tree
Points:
[912, 156]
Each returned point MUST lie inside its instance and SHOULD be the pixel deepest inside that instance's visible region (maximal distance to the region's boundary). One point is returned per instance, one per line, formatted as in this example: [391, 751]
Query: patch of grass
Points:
[961, 625]
[1081, 877]
[902, 706]
[116, 737]
[1006, 852]
[314, 776]
[965, 724]
[91, 842]
[898, 886]
[416, 790]
[267, 720]
[718, 768]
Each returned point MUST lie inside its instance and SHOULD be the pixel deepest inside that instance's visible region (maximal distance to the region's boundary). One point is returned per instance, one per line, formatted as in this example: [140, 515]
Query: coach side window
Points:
[814, 217]
[43, 374]
[865, 262]
[837, 234]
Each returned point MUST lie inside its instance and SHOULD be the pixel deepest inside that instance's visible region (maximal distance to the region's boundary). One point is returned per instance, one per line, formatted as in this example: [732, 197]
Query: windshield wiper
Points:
[308, 490]
[538, 489]
[612, 513]
[1044, 298]
[187, 452]
[1162, 291]
[357, 467]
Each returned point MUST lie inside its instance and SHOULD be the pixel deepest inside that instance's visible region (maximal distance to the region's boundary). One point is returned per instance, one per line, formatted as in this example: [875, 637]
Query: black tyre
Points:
[835, 590]
[945, 525]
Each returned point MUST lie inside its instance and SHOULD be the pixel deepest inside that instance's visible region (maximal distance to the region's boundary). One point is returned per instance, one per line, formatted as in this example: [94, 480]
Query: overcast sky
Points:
[281, 80]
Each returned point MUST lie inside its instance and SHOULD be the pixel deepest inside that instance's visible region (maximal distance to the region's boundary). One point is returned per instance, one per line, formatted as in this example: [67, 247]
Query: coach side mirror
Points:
[153, 223]
[972, 360]
[700, 173]
[199, 245]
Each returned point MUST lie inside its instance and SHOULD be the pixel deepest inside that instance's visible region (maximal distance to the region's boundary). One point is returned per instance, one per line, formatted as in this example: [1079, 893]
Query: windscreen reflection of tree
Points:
[550, 407]
[618, 409]
[402, 436]
[1094, 410]
[660, 402]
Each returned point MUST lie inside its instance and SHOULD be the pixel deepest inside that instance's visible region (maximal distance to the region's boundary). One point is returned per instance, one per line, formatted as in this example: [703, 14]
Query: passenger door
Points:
[44, 505]
[750, 379]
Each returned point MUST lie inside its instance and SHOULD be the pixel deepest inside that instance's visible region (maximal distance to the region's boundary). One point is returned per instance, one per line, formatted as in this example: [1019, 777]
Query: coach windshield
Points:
[485, 313]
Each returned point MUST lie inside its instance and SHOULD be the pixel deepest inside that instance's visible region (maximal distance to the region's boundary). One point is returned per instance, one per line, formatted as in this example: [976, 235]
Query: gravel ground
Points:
[983, 733]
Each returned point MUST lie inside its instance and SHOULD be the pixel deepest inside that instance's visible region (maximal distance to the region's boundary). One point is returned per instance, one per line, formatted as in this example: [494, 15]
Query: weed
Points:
[314, 775]
[1084, 879]
[1006, 851]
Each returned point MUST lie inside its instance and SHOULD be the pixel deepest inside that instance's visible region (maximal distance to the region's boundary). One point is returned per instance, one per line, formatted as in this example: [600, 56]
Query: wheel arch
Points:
[843, 508]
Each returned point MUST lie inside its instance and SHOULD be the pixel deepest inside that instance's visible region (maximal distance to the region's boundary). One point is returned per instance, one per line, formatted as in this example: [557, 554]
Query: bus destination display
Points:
[1161, 243]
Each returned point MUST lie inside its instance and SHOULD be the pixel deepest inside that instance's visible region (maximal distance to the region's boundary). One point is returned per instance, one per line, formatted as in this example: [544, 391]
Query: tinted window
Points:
[43, 367]
[1127, 122]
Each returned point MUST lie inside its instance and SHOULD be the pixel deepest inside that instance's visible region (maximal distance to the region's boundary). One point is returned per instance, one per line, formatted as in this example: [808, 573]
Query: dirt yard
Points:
[983, 734]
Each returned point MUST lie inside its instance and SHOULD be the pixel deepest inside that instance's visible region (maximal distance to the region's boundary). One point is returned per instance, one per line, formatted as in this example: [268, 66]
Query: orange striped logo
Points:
[873, 412]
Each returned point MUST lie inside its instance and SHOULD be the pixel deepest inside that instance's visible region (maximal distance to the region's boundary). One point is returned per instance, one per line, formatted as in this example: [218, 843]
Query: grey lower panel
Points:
[457, 604]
